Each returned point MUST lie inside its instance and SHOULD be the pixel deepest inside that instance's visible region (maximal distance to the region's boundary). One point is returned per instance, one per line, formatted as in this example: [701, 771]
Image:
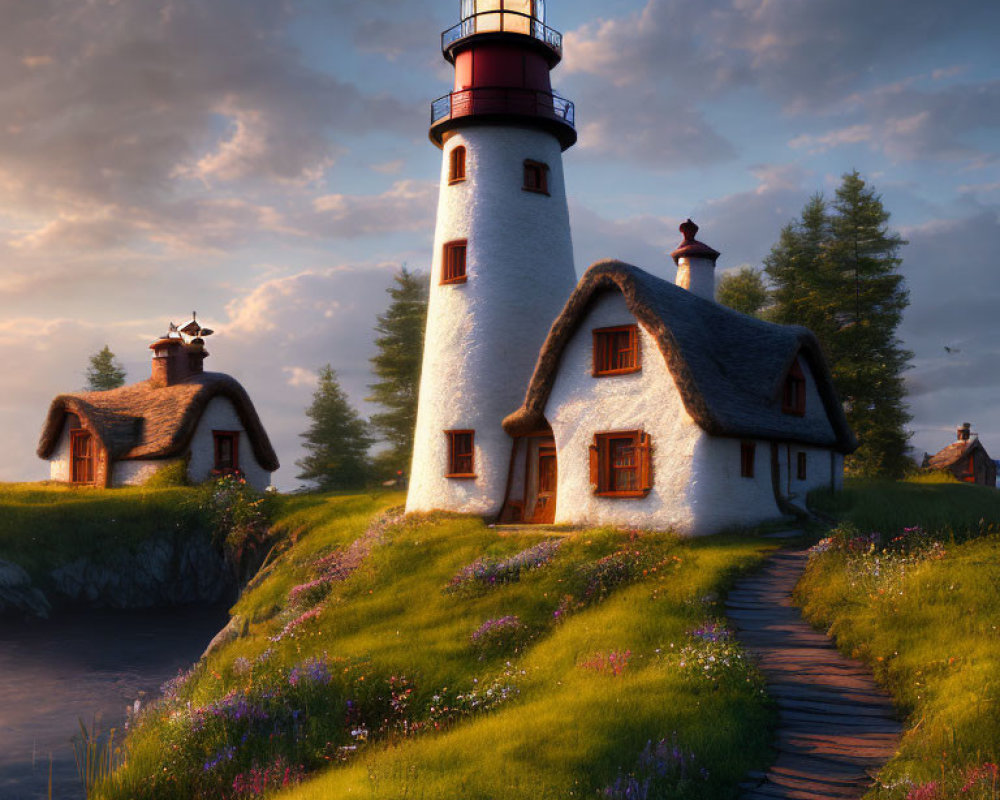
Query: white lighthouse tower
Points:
[503, 256]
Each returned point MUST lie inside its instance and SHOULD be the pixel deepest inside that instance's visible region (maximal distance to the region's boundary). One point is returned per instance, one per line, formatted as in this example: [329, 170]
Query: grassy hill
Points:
[439, 658]
[910, 582]
[43, 526]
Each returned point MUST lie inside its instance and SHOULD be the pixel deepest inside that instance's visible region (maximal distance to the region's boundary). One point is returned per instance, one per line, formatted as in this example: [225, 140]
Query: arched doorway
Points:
[533, 483]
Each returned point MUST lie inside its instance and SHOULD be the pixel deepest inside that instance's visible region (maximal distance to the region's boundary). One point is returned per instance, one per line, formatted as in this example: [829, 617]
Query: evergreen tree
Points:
[105, 371]
[835, 271]
[337, 441]
[743, 291]
[397, 364]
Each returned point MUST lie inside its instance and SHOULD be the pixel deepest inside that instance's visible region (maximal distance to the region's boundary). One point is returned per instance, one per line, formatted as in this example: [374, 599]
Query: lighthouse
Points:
[503, 255]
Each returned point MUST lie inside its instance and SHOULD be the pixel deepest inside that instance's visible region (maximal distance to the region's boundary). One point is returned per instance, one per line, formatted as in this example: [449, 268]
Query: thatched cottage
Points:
[965, 458]
[122, 437]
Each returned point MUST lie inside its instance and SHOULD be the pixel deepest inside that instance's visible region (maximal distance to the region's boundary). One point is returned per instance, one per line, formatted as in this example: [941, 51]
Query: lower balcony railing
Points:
[503, 100]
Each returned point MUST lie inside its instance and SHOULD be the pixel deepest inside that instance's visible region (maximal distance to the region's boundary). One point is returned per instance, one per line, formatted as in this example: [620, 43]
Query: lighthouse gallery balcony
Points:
[505, 101]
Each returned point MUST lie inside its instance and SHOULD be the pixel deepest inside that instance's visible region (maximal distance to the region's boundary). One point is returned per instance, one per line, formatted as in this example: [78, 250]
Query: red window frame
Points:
[621, 464]
[457, 164]
[221, 440]
[616, 351]
[748, 454]
[536, 177]
[793, 399]
[453, 262]
[461, 454]
[801, 466]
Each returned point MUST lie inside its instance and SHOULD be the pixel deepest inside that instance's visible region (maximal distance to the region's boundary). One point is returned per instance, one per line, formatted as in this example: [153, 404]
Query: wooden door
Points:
[82, 457]
[548, 478]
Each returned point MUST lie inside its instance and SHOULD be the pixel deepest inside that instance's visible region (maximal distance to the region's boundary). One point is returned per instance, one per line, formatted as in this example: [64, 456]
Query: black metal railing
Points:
[504, 22]
[503, 100]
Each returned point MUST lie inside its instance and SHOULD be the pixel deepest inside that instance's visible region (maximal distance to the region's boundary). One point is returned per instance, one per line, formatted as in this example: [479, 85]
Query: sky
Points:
[266, 163]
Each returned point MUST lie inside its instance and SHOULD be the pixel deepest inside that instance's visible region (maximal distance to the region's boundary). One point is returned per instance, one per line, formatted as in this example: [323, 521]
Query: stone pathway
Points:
[835, 726]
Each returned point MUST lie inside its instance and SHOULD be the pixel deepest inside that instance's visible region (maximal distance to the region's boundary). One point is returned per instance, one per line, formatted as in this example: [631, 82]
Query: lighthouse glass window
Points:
[616, 350]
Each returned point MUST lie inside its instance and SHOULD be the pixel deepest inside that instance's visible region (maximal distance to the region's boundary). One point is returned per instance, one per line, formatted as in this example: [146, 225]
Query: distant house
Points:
[966, 459]
[124, 436]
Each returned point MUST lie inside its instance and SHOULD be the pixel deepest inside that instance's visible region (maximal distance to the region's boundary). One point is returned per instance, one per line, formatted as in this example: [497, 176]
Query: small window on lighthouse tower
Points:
[453, 262]
[456, 171]
[536, 177]
[461, 454]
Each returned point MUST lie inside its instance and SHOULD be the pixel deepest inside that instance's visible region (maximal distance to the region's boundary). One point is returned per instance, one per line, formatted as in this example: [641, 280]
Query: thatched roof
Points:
[953, 453]
[146, 421]
[729, 368]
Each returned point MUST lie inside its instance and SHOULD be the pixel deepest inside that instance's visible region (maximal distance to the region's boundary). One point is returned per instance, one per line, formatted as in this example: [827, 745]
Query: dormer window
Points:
[793, 399]
[616, 350]
[456, 169]
[536, 177]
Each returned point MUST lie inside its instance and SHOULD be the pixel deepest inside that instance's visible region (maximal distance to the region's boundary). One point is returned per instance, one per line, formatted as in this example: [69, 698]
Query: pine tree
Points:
[835, 271]
[743, 291]
[397, 364]
[337, 441]
[105, 371]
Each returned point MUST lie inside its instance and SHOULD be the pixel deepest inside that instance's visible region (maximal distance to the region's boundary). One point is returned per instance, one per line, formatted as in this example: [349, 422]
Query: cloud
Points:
[954, 294]
[409, 205]
[139, 104]
[651, 73]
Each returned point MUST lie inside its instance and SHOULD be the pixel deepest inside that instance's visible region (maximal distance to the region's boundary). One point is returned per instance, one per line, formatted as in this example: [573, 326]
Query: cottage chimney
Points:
[965, 432]
[695, 263]
[174, 360]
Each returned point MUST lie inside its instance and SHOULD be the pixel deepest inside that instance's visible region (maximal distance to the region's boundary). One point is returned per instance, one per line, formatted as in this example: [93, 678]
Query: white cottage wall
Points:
[483, 336]
[220, 415]
[136, 473]
[720, 496]
[581, 405]
[59, 463]
[820, 470]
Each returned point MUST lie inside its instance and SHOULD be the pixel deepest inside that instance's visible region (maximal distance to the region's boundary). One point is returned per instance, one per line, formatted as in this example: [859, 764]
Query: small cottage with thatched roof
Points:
[653, 406]
[124, 436]
[965, 458]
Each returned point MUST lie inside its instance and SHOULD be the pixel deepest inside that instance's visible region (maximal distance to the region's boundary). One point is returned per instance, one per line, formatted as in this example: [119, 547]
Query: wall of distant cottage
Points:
[219, 415]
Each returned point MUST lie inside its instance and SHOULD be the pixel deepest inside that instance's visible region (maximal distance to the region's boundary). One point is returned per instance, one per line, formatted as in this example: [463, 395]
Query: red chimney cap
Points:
[691, 247]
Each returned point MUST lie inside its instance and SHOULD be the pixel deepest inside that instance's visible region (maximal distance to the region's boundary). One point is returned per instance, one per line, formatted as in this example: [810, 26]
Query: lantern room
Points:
[503, 52]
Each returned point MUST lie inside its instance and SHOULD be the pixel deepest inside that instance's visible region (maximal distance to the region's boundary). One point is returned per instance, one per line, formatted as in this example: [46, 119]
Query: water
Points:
[54, 672]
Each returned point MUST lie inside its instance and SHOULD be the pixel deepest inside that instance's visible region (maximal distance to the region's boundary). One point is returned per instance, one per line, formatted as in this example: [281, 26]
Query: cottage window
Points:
[456, 171]
[621, 464]
[461, 454]
[802, 466]
[748, 451]
[453, 263]
[616, 350]
[793, 400]
[536, 177]
[227, 451]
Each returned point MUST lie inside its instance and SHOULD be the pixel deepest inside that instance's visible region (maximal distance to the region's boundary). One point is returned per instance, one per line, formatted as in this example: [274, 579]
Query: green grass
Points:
[43, 526]
[565, 729]
[888, 507]
[928, 624]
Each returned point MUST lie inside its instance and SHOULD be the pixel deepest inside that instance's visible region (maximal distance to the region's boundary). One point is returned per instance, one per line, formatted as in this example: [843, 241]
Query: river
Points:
[81, 665]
